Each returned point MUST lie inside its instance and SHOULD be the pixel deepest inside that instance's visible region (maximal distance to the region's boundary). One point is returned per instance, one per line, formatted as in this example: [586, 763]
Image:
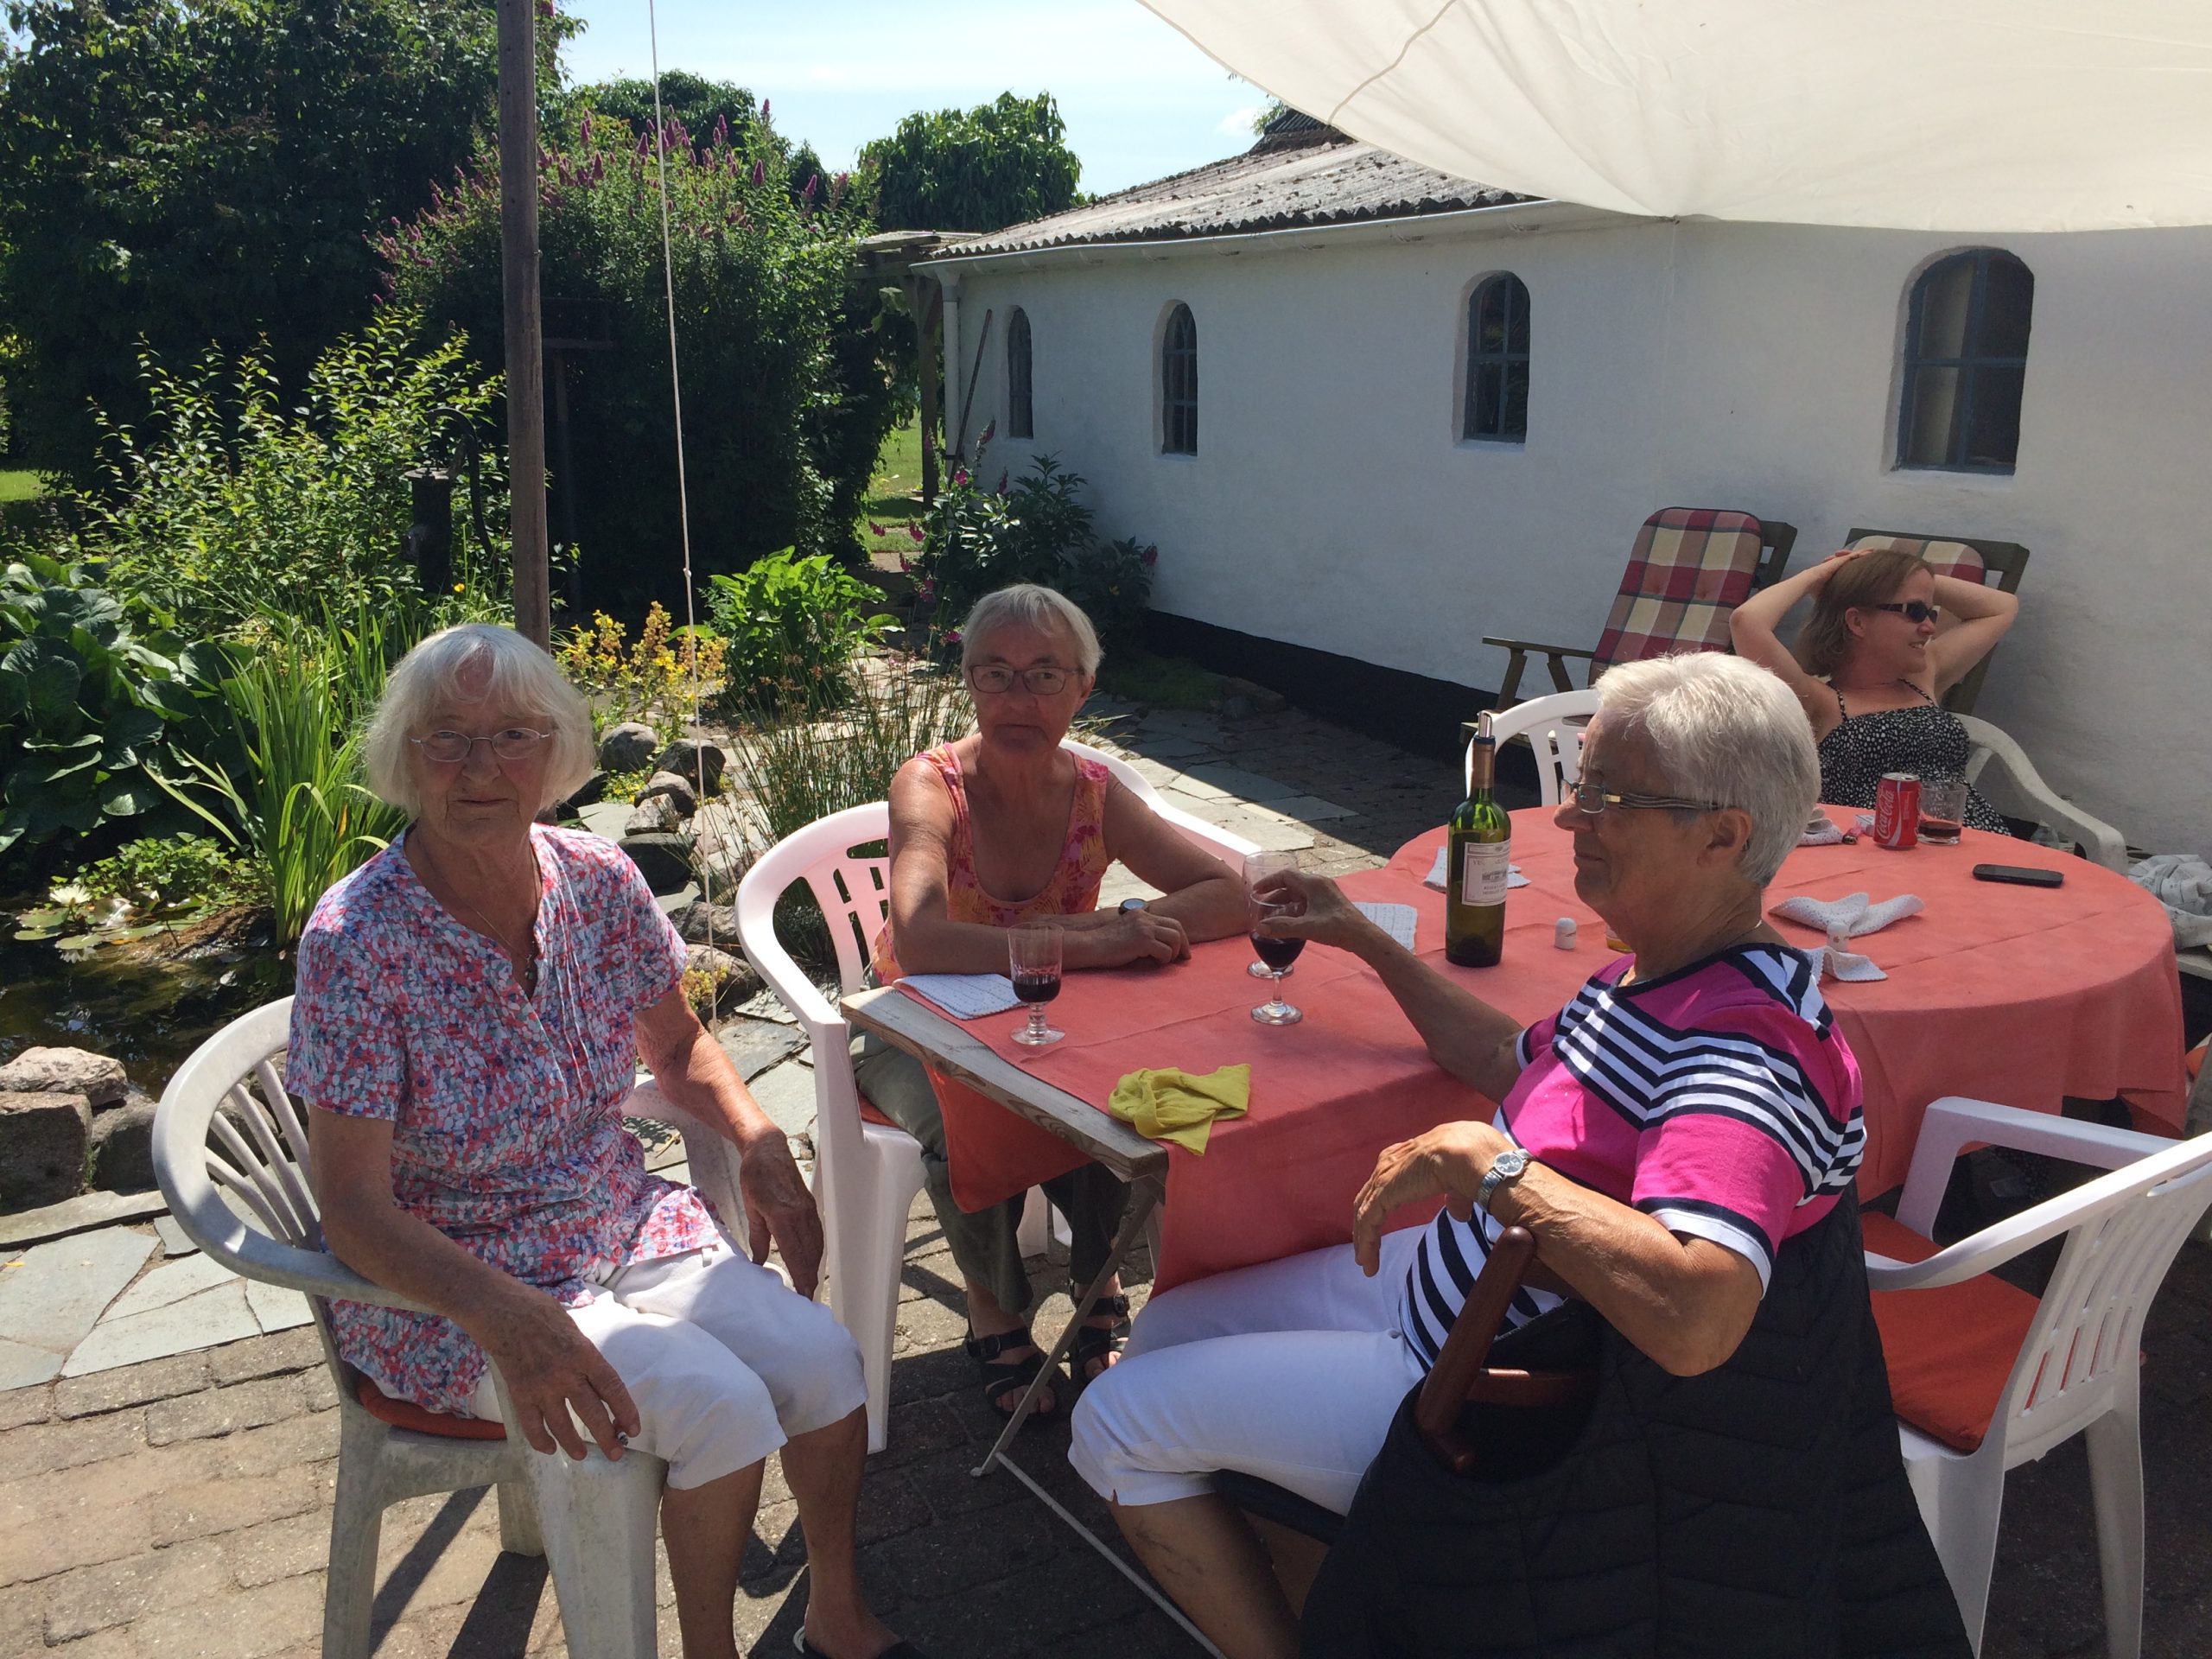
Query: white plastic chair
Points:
[866, 1175]
[1543, 721]
[2037, 798]
[593, 1521]
[2080, 1370]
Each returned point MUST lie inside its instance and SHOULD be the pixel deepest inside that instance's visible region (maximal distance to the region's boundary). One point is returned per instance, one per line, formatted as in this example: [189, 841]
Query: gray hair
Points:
[1026, 604]
[1721, 728]
[522, 676]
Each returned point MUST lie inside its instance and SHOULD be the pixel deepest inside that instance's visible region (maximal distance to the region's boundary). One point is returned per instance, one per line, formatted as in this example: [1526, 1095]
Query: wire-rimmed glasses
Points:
[451, 748]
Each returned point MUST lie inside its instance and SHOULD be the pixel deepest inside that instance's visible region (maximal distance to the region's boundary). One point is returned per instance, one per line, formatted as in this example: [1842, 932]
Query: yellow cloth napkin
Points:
[1164, 1103]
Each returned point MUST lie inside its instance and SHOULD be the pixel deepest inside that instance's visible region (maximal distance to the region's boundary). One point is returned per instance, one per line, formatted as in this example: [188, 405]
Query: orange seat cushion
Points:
[869, 1114]
[2194, 1060]
[1950, 1350]
[406, 1413]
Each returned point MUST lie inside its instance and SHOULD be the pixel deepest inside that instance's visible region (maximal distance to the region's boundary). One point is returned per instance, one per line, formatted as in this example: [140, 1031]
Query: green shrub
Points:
[91, 712]
[790, 628]
[146, 887]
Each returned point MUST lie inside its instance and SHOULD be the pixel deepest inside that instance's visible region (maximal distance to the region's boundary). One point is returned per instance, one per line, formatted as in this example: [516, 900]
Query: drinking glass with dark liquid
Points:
[1034, 965]
[1258, 866]
[1276, 953]
[1942, 810]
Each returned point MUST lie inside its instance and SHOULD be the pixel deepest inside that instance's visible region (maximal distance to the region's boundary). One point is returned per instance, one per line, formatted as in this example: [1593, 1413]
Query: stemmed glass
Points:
[1033, 964]
[1257, 868]
[1275, 955]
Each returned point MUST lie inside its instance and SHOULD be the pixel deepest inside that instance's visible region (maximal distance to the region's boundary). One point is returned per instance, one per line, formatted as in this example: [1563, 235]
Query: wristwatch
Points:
[1505, 1169]
[1128, 904]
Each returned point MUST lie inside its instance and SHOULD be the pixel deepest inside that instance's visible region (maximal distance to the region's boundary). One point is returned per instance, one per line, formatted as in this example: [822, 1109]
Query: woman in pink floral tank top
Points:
[1002, 827]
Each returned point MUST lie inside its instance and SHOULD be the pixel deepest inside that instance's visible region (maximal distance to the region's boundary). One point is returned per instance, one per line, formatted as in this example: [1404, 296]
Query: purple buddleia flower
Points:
[990, 431]
[760, 172]
[583, 127]
[598, 167]
[926, 593]
[721, 130]
[764, 112]
[1151, 556]
[916, 533]
[953, 637]
[875, 529]
[807, 194]
[905, 564]
[960, 478]
[645, 145]
[1001, 488]
[545, 8]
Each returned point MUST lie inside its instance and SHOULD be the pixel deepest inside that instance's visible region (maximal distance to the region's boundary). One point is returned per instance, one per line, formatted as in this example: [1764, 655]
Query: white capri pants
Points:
[1290, 1370]
[724, 1360]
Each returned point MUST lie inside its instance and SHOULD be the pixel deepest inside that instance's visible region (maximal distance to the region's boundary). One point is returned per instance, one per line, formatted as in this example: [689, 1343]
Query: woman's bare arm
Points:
[1984, 615]
[1754, 625]
[1196, 889]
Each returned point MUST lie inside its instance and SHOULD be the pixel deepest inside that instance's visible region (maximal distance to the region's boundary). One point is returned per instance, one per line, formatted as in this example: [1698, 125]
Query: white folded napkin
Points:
[1396, 920]
[965, 996]
[1854, 913]
[1831, 964]
[1435, 876]
[1820, 830]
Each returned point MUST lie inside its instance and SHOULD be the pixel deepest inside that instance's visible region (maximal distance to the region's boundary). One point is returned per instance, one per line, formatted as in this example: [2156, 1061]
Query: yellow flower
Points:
[461, 587]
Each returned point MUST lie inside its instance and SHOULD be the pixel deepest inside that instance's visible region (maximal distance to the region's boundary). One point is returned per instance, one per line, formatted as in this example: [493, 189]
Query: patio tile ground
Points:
[179, 1505]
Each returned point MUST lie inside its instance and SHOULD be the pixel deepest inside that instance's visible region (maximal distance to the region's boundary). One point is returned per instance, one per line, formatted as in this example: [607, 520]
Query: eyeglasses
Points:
[450, 748]
[1915, 611]
[992, 678]
[1592, 799]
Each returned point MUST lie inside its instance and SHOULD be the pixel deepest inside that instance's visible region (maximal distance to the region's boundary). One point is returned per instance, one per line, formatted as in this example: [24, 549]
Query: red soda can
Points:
[1897, 810]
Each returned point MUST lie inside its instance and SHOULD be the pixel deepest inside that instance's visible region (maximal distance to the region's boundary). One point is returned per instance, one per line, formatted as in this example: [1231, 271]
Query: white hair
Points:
[1721, 728]
[1026, 605]
[521, 677]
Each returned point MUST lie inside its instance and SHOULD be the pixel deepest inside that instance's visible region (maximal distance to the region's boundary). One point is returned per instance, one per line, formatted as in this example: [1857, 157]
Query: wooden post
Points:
[525, 361]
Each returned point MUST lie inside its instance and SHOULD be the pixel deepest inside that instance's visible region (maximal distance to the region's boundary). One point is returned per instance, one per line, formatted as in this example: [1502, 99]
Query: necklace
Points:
[523, 962]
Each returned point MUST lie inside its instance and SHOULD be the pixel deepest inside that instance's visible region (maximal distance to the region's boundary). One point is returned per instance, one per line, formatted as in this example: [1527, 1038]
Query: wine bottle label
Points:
[1483, 867]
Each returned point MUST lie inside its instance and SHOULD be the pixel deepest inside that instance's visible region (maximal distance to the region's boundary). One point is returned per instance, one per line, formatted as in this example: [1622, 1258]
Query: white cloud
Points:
[1240, 120]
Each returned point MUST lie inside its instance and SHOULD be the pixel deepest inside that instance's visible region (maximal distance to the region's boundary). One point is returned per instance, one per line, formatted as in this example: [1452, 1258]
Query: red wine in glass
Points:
[1033, 965]
[1278, 954]
[1036, 988]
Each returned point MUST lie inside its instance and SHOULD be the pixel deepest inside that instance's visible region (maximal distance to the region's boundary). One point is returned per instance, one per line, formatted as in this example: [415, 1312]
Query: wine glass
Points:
[1278, 955]
[1257, 868]
[1033, 956]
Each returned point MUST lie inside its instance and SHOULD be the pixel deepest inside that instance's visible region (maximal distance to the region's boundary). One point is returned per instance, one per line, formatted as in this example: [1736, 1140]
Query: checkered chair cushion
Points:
[1691, 566]
[1947, 558]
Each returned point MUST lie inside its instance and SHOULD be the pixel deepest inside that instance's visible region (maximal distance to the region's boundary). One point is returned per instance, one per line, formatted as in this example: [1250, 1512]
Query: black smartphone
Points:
[2018, 876]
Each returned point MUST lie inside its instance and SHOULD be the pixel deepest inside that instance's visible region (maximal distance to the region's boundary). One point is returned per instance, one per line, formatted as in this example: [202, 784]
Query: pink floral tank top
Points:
[1073, 888]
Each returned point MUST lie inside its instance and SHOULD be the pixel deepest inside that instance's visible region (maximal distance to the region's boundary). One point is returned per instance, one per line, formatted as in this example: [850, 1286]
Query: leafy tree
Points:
[183, 172]
[692, 99]
[979, 169]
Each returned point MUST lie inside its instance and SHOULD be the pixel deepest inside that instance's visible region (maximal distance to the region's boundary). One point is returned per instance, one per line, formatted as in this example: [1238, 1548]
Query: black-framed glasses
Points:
[450, 748]
[1915, 611]
[1591, 799]
[991, 679]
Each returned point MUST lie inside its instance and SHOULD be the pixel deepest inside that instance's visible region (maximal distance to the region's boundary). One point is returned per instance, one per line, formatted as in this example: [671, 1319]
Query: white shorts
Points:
[724, 1360]
[1290, 1370]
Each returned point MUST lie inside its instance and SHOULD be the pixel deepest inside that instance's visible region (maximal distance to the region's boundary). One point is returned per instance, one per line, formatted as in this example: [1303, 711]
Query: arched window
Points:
[1020, 422]
[1966, 363]
[1497, 360]
[1179, 384]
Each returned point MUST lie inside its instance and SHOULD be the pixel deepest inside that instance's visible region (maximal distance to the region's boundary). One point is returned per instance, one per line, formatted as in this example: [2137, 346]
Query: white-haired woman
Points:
[1663, 1135]
[1002, 827]
[471, 1004]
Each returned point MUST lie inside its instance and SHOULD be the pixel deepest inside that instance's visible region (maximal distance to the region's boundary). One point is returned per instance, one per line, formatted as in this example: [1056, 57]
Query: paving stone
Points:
[174, 1242]
[212, 1316]
[22, 1366]
[52, 1294]
[207, 1508]
[241, 1362]
[170, 1282]
[275, 1309]
[224, 1411]
[786, 1094]
[310, 1438]
[81, 1214]
[1271, 833]
[282, 1549]
[1309, 809]
[42, 1448]
[1235, 780]
[92, 1599]
[23, 1619]
[1183, 789]
[240, 1624]
[755, 1044]
[135, 1385]
[21, 1406]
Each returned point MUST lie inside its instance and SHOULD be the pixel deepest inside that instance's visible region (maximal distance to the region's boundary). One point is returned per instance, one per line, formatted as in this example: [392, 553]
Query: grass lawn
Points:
[22, 486]
[894, 496]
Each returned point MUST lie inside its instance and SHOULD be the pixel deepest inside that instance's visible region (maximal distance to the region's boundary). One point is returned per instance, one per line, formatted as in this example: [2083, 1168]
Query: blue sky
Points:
[1139, 101]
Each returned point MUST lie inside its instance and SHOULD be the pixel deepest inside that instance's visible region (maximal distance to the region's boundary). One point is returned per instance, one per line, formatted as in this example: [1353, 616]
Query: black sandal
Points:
[1095, 1343]
[1004, 1384]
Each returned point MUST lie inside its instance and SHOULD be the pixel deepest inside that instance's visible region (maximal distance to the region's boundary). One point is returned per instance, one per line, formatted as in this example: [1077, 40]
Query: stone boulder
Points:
[68, 1071]
[589, 792]
[734, 979]
[652, 817]
[694, 762]
[123, 1145]
[664, 858]
[43, 1138]
[627, 747]
[702, 923]
[678, 792]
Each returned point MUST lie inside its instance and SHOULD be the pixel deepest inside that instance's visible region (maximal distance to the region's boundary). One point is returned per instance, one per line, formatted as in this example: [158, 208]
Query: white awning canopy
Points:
[1959, 115]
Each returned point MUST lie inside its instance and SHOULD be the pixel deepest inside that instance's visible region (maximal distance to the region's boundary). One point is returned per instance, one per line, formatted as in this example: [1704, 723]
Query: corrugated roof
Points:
[1329, 180]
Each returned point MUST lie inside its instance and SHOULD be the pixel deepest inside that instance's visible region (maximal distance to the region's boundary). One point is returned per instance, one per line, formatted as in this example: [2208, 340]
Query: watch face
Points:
[1128, 904]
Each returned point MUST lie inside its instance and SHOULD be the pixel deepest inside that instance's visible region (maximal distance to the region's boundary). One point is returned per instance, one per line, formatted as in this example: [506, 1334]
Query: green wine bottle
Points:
[1480, 851]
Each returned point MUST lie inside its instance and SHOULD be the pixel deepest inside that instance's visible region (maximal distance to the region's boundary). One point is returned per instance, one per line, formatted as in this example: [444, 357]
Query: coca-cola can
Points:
[1897, 810]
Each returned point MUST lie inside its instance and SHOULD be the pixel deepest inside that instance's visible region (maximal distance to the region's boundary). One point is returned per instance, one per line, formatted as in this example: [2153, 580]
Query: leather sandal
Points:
[1094, 1343]
[1004, 1383]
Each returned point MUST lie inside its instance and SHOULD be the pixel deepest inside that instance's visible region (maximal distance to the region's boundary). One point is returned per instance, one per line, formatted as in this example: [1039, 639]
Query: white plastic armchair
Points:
[2079, 1371]
[2103, 843]
[232, 1155]
[1210, 836]
[1553, 727]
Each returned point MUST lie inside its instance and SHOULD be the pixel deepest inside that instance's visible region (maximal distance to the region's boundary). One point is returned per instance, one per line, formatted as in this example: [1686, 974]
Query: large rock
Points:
[43, 1137]
[734, 979]
[701, 922]
[694, 761]
[627, 747]
[652, 817]
[67, 1071]
[589, 792]
[664, 859]
[123, 1145]
[678, 792]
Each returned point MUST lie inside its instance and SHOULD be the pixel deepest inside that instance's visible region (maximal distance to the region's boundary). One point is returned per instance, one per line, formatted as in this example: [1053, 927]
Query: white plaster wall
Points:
[1753, 366]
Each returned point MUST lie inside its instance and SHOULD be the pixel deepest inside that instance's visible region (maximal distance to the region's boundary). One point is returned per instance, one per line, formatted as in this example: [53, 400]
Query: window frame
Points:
[1967, 364]
[1021, 375]
[1179, 382]
[1473, 359]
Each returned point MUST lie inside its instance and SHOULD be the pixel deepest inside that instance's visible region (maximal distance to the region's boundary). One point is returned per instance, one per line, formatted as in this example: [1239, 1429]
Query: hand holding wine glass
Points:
[1277, 953]
[1260, 870]
[1033, 965]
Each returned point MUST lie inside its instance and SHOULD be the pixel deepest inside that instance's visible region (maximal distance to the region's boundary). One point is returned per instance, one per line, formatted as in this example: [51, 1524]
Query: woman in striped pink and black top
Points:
[1662, 1136]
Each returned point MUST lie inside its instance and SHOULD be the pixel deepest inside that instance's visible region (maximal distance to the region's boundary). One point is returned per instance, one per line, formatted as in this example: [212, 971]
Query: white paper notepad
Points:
[965, 996]
[1396, 920]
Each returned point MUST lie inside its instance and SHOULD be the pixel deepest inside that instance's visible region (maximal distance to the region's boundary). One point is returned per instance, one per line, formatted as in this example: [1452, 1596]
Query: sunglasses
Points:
[1915, 611]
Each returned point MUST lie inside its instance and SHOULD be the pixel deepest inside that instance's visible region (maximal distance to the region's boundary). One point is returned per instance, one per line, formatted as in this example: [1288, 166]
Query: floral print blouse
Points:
[1073, 888]
[506, 1110]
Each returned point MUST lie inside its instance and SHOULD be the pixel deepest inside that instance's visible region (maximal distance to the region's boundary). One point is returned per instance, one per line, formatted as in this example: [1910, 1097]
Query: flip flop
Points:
[896, 1650]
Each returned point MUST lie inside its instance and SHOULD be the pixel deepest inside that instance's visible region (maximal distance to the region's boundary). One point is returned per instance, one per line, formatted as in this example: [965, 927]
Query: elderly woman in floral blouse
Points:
[471, 1005]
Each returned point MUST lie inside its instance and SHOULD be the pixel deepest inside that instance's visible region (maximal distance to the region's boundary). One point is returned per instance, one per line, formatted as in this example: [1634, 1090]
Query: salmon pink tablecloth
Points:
[2021, 995]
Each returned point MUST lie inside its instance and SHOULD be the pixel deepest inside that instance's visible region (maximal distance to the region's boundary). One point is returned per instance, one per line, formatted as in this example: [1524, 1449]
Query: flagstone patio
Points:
[165, 1463]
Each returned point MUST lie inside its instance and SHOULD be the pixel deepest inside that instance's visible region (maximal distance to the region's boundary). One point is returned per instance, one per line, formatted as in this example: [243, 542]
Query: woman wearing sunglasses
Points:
[1873, 662]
